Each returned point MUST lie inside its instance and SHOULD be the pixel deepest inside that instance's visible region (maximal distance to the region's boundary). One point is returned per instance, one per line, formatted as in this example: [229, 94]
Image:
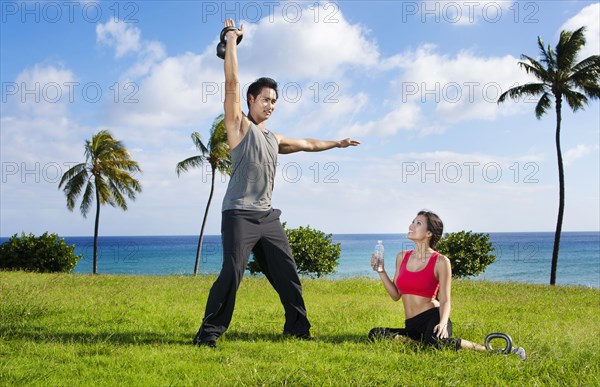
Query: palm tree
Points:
[218, 156]
[104, 173]
[560, 77]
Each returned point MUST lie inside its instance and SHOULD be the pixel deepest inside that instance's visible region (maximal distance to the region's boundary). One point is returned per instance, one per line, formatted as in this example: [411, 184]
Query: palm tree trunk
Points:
[95, 268]
[561, 195]
[198, 251]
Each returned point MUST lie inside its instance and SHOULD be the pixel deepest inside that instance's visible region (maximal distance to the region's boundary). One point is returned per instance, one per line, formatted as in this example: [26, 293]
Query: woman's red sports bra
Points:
[421, 283]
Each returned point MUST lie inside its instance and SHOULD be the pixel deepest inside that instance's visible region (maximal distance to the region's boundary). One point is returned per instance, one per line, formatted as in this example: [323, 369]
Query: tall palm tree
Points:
[105, 173]
[561, 78]
[217, 154]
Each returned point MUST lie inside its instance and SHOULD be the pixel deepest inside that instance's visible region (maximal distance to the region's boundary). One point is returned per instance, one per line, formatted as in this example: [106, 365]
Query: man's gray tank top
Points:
[254, 161]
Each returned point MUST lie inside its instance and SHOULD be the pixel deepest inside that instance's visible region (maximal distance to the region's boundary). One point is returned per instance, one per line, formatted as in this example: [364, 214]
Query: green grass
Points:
[81, 330]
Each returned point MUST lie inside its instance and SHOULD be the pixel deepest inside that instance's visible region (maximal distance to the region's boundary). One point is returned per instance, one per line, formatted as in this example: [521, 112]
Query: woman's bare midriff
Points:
[414, 305]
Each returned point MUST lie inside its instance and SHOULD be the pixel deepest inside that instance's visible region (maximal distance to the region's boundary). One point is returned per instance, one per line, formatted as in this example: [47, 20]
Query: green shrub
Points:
[44, 254]
[314, 252]
[469, 253]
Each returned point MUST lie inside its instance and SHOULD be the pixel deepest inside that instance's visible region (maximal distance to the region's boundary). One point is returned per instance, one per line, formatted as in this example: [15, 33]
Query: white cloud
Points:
[404, 117]
[435, 91]
[580, 151]
[462, 87]
[43, 89]
[330, 113]
[122, 36]
[177, 92]
[590, 18]
[127, 39]
[304, 49]
[151, 54]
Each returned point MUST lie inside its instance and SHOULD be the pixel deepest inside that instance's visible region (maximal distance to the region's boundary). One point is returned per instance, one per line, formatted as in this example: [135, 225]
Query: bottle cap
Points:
[379, 241]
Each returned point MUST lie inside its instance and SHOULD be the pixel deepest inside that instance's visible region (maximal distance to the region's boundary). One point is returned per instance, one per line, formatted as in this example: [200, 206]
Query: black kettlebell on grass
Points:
[221, 45]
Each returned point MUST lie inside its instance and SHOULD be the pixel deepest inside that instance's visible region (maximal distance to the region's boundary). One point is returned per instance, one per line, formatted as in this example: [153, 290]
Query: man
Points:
[249, 223]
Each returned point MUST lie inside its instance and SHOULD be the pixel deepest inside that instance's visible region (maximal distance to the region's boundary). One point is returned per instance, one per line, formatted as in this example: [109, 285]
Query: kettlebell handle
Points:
[497, 335]
[225, 30]
[223, 40]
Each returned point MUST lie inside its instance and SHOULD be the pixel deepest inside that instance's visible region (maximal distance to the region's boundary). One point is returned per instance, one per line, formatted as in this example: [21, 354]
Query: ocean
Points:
[520, 257]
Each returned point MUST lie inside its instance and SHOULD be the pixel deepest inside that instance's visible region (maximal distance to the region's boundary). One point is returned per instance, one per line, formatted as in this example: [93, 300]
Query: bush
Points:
[46, 254]
[314, 252]
[469, 253]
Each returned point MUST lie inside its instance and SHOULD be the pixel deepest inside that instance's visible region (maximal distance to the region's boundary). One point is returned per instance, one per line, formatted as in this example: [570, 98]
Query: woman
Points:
[423, 280]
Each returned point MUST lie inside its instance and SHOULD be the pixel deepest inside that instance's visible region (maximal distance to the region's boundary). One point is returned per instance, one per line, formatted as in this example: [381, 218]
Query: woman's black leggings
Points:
[420, 328]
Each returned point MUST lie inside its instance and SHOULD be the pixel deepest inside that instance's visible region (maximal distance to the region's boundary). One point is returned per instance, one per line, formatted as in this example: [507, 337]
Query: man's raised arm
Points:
[234, 118]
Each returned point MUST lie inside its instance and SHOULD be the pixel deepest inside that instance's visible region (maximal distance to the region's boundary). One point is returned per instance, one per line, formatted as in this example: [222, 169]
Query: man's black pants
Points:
[262, 233]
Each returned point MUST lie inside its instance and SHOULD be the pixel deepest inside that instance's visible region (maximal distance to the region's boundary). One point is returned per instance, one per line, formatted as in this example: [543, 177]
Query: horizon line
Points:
[370, 233]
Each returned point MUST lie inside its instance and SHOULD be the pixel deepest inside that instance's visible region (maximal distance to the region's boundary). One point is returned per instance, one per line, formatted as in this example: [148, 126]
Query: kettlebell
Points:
[221, 45]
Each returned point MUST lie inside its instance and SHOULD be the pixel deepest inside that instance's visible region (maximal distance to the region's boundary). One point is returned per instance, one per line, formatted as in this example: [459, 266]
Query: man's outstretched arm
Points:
[291, 145]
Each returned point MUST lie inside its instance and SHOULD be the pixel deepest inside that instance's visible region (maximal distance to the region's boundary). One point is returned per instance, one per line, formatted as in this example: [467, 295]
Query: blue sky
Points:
[415, 82]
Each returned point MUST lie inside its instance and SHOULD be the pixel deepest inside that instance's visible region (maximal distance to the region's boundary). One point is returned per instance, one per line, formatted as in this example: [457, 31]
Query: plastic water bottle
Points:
[378, 256]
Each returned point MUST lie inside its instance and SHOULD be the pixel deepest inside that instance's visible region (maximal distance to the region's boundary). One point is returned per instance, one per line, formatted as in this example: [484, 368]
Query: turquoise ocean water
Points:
[520, 257]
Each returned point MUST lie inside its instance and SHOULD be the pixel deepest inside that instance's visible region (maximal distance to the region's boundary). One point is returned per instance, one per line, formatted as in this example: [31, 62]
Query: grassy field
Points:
[81, 330]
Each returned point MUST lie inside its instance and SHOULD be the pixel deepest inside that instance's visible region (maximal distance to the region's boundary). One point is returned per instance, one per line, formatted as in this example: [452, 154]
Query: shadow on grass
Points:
[337, 338]
[123, 338]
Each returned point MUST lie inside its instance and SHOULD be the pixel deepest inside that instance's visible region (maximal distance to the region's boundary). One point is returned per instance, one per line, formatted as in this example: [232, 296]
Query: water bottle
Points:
[378, 257]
